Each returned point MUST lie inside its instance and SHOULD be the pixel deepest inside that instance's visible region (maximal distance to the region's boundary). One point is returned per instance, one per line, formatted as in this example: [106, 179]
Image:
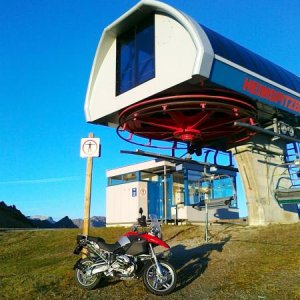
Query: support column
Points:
[256, 161]
[165, 195]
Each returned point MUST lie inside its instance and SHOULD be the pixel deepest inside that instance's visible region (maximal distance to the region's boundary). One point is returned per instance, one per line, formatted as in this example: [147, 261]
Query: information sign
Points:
[90, 147]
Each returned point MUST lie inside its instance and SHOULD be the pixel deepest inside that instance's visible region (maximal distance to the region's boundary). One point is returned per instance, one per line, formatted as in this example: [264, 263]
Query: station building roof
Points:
[249, 60]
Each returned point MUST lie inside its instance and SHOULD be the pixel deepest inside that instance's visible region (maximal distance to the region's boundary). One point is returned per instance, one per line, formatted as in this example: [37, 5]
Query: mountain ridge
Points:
[95, 221]
[11, 217]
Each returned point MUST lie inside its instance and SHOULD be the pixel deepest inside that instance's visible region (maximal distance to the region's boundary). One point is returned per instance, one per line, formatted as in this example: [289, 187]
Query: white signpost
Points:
[89, 148]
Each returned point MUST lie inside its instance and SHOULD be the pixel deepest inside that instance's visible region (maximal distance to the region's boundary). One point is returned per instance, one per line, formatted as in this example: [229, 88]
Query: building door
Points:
[155, 201]
[169, 196]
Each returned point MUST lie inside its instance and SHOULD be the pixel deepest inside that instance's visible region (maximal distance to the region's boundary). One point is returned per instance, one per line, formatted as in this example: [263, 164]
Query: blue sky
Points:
[46, 53]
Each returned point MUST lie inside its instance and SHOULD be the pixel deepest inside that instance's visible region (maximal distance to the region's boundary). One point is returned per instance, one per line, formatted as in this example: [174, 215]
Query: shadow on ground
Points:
[191, 263]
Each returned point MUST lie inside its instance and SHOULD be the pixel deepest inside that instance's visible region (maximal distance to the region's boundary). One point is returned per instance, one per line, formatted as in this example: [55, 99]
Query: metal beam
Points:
[266, 131]
[176, 159]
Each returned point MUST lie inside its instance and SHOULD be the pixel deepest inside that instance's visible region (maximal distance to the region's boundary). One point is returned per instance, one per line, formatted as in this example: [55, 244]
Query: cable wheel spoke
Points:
[194, 118]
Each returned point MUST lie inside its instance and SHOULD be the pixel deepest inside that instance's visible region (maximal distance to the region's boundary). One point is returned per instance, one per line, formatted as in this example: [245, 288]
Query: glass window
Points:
[178, 188]
[119, 179]
[193, 187]
[125, 59]
[115, 180]
[135, 56]
[214, 188]
[149, 176]
[222, 187]
[130, 177]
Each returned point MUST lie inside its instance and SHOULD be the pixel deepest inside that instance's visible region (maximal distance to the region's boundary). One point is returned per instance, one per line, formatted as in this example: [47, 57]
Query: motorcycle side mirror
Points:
[141, 211]
[142, 221]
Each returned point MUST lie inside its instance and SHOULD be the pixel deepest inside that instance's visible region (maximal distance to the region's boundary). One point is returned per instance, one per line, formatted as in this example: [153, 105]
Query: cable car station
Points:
[172, 191]
[163, 80]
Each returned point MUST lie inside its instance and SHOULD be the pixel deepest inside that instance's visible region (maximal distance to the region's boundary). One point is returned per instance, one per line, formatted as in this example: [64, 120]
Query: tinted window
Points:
[135, 56]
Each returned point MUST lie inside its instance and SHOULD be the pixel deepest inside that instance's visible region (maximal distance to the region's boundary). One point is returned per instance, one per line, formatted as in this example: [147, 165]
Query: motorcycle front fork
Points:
[158, 268]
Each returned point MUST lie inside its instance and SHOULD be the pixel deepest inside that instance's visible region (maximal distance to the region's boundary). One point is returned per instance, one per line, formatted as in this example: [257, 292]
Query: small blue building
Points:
[187, 186]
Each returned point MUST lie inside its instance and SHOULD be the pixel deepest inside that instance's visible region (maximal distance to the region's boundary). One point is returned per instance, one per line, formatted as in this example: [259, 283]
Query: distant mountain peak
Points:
[65, 222]
[11, 217]
[42, 218]
[95, 221]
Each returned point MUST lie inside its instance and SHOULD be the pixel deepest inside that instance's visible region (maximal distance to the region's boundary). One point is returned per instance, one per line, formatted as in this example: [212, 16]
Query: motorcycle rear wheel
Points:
[84, 280]
[160, 285]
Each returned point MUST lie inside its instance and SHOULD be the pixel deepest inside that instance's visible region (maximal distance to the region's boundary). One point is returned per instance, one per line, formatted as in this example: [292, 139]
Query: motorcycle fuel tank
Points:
[123, 241]
[137, 247]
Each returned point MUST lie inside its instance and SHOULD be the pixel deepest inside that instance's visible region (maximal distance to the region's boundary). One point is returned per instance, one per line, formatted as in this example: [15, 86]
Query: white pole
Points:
[165, 193]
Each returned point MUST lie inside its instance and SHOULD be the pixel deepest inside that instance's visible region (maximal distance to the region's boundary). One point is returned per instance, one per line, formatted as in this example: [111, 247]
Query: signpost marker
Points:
[90, 148]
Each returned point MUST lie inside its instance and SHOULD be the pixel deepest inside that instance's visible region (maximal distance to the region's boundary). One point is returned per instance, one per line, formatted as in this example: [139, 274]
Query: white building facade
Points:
[182, 199]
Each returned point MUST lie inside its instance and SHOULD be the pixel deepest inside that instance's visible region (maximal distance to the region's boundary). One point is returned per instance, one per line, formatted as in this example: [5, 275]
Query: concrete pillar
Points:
[256, 161]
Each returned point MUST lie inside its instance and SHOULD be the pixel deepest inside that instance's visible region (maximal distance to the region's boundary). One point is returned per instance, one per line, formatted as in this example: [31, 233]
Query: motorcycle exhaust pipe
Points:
[98, 268]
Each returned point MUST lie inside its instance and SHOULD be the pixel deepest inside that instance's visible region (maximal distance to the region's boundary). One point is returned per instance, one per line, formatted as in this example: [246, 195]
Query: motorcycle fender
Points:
[155, 240]
[131, 233]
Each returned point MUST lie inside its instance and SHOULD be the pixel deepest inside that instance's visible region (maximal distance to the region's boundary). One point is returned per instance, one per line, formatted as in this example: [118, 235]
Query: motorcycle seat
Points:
[102, 244]
[95, 239]
[109, 247]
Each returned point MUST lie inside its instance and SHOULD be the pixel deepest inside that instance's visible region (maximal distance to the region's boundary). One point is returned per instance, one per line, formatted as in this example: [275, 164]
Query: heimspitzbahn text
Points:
[255, 88]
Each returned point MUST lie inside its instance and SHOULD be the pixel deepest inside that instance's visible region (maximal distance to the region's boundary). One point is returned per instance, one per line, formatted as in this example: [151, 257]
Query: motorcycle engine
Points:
[124, 265]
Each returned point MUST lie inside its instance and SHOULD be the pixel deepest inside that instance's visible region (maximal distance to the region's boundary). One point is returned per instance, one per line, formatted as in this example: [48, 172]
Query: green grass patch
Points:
[238, 263]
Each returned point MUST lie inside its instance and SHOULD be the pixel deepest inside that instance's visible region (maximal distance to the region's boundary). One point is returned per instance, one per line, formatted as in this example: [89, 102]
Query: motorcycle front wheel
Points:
[84, 279]
[160, 285]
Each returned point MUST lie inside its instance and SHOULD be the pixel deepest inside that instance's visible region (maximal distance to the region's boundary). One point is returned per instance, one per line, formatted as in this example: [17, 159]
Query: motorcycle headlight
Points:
[134, 228]
[283, 128]
[291, 131]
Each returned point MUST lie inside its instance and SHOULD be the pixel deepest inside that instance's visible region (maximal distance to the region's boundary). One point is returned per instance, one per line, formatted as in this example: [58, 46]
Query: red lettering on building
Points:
[246, 84]
[255, 88]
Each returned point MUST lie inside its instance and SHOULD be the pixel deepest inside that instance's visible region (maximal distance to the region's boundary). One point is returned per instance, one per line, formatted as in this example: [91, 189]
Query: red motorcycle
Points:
[132, 256]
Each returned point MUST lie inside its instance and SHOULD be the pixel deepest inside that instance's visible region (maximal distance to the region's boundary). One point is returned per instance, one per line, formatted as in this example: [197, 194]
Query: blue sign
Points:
[134, 192]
